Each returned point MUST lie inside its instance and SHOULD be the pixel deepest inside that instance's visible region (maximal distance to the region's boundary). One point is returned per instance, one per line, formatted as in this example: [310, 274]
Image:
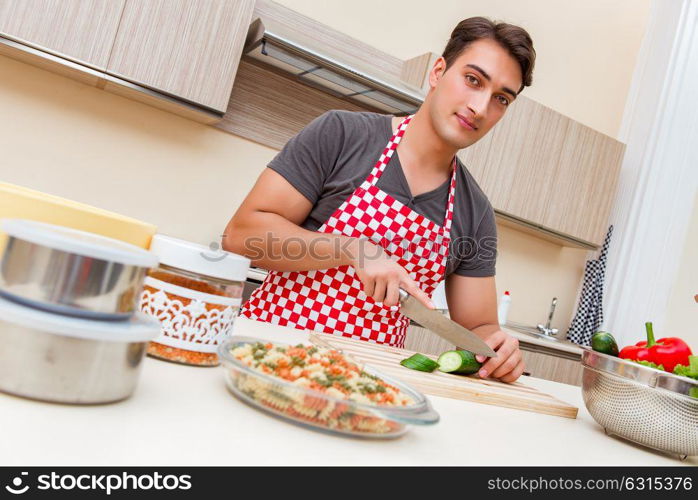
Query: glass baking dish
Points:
[318, 410]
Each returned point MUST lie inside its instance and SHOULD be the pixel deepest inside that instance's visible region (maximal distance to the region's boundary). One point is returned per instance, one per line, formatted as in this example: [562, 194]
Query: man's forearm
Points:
[273, 242]
[486, 329]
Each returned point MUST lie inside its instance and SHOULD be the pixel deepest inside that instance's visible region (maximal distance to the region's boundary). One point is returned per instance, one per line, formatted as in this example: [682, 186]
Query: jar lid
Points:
[199, 259]
[78, 242]
[138, 328]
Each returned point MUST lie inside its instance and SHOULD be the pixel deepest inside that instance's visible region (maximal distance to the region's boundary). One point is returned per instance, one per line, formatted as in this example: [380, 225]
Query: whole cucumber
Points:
[605, 343]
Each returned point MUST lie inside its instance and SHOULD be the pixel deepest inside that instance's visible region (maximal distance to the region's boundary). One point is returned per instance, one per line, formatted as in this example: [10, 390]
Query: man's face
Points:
[468, 99]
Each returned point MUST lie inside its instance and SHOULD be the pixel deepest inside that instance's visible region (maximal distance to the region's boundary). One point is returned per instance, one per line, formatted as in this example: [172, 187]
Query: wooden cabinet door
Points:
[189, 49]
[515, 163]
[548, 171]
[585, 185]
[420, 339]
[79, 30]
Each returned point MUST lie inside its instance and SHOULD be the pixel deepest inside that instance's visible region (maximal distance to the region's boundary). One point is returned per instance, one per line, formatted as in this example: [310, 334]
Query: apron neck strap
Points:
[387, 154]
[451, 198]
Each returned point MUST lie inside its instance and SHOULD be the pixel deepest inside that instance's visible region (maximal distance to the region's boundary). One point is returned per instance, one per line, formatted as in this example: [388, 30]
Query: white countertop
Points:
[182, 415]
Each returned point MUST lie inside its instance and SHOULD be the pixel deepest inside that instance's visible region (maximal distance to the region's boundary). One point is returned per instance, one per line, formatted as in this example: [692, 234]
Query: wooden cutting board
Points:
[469, 388]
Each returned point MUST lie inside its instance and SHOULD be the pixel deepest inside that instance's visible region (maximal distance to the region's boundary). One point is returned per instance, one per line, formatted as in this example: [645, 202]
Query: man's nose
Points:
[478, 104]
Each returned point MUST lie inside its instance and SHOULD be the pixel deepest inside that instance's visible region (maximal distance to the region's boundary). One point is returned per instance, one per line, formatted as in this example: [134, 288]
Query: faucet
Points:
[543, 330]
[546, 330]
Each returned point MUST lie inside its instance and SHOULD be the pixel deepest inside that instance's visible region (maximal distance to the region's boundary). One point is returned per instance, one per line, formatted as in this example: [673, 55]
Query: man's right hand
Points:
[382, 276]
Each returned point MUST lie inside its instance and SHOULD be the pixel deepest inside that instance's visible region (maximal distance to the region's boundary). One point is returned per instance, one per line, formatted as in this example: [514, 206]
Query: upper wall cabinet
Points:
[78, 30]
[178, 55]
[540, 167]
[186, 48]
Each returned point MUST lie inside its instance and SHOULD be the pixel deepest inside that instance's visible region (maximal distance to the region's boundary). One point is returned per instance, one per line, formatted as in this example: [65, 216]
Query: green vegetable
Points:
[370, 388]
[296, 361]
[605, 343]
[649, 364]
[688, 371]
[420, 363]
[458, 362]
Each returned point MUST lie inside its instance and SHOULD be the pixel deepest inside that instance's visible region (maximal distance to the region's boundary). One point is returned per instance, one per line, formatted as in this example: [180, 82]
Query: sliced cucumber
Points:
[420, 363]
[458, 362]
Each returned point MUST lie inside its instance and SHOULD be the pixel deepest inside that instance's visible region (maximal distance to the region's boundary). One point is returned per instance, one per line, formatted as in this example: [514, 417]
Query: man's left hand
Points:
[508, 365]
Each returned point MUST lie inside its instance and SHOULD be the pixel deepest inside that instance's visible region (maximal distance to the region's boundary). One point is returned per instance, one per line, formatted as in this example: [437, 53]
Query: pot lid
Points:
[78, 242]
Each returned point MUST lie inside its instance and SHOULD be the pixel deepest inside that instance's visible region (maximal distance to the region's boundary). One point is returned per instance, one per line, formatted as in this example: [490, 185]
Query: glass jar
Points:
[195, 296]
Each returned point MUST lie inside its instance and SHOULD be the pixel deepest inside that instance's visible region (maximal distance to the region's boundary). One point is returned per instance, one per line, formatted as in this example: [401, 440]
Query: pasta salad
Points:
[319, 369]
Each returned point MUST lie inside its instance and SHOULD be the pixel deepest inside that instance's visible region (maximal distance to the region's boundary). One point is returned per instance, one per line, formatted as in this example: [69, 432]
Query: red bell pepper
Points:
[667, 351]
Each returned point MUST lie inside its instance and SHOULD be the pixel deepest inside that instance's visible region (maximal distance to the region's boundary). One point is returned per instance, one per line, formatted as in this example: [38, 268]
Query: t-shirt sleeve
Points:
[480, 256]
[307, 158]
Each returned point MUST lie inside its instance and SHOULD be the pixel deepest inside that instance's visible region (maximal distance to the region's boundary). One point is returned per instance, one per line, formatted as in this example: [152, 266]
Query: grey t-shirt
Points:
[333, 155]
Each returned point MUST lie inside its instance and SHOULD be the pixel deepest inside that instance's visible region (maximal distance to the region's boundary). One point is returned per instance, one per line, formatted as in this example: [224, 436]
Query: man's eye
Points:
[503, 100]
[472, 79]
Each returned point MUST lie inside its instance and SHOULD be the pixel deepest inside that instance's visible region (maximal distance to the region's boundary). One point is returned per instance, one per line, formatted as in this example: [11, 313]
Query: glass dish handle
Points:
[427, 416]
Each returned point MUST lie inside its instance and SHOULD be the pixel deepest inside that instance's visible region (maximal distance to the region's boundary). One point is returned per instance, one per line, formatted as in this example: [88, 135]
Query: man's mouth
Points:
[465, 122]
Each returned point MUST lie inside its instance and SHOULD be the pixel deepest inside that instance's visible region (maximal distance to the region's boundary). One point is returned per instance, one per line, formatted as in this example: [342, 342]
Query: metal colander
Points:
[641, 404]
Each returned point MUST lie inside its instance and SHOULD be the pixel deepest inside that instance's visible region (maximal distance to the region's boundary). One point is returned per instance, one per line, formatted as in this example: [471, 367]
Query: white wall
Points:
[682, 311]
[76, 141]
[650, 264]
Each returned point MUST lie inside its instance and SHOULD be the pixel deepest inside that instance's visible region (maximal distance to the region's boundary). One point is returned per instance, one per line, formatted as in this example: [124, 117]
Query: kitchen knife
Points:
[451, 331]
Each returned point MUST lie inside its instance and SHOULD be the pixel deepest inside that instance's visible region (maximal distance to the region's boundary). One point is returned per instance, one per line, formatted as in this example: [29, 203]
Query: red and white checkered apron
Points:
[332, 300]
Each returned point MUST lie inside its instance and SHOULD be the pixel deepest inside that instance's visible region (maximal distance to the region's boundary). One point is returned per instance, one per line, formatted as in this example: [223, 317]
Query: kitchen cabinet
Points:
[177, 55]
[550, 364]
[185, 48]
[542, 169]
[79, 30]
[269, 107]
[419, 339]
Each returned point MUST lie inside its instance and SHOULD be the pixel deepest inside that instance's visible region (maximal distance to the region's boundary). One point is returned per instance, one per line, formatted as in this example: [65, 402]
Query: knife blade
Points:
[451, 331]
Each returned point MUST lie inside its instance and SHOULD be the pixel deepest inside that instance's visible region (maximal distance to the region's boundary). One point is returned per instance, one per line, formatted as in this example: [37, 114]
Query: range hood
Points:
[339, 74]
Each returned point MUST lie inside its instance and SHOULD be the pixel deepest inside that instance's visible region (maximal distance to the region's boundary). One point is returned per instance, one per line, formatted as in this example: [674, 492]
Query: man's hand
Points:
[508, 365]
[382, 276]
[472, 302]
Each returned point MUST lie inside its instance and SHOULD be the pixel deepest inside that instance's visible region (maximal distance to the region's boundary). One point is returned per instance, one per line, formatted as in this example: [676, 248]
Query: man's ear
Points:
[437, 71]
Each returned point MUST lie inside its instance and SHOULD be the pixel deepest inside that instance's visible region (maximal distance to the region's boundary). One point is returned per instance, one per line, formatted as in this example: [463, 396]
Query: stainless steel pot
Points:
[72, 272]
[641, 404]
[70, 360]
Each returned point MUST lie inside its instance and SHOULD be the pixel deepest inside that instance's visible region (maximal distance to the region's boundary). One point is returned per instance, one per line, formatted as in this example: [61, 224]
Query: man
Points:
[342, 222]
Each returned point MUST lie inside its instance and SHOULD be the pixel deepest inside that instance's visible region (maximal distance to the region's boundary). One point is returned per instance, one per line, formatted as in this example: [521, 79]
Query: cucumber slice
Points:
[458, 362]
[420, 363]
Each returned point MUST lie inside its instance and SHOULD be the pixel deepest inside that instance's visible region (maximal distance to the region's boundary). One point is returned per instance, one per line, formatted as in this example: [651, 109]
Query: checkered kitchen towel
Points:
[589, 314]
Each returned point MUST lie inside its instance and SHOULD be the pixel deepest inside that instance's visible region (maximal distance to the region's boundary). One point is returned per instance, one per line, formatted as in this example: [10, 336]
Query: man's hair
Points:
[514, 39]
